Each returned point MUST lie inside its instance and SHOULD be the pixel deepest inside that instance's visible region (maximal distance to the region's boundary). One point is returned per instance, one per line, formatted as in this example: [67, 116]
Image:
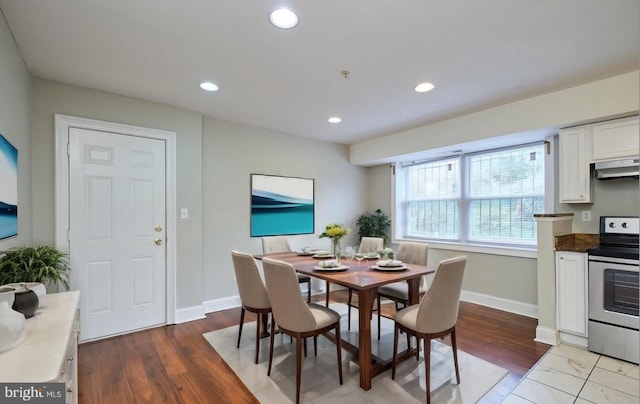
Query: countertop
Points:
[40, 354]
[576, 242]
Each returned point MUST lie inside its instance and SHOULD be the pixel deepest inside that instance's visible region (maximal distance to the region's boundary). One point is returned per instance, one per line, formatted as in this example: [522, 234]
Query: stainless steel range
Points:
[614, 290]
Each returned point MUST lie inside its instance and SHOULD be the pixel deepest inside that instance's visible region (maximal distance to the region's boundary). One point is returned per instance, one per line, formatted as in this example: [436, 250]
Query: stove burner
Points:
[630, 253]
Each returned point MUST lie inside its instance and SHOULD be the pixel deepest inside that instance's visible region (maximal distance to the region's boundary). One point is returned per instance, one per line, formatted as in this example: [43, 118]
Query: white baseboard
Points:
[189, 314]
[511, 306]
[223, 303]
[576, 340]
[547, 336]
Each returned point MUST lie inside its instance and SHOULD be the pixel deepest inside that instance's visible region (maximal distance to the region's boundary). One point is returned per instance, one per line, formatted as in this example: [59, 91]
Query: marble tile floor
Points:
[568, 374]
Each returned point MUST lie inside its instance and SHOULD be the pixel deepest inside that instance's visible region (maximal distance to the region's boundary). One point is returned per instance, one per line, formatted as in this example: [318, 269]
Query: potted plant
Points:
[375, 224]
[42, 264]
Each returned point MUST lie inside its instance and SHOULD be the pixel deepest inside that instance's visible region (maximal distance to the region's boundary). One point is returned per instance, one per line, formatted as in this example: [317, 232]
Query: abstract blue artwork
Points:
[8, 189]
[281, 205]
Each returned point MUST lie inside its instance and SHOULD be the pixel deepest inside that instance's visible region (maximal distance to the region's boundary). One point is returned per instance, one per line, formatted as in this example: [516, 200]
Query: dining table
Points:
[364, 279]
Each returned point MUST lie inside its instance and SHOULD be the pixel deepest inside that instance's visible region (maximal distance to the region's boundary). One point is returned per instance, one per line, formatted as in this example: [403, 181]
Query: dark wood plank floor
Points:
[174, 364]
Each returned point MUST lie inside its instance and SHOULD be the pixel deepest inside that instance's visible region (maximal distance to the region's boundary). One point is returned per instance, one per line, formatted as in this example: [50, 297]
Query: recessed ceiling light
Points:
[334, 119]
[208, 86]
[283, 18]
[423, 87]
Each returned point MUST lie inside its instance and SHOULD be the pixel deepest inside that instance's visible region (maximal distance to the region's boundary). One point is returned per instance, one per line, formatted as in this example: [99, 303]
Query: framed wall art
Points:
[8, 189]
[281, 205]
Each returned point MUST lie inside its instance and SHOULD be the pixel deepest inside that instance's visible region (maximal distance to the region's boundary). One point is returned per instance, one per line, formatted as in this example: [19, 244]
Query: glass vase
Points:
[335, 250]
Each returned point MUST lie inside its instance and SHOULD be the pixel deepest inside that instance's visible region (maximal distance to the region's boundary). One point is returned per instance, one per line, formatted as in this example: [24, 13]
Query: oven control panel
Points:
[621, 225]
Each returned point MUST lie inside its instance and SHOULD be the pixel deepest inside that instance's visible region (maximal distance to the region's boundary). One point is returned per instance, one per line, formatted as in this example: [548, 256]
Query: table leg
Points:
[365, 303]
[414, 290]
[265, 320]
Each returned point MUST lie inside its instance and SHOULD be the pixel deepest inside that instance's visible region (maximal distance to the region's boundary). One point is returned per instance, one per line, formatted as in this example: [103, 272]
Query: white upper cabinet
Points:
[615, 139]
[574, 172]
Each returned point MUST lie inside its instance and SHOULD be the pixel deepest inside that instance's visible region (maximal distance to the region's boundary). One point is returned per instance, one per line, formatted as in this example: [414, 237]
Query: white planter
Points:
[11, 327]
[37, 287]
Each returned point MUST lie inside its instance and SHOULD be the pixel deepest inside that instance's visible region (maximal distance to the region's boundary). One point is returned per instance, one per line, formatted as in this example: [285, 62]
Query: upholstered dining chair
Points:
[276, 244]
[367, 245]
[253, 293]
[435, 316]
[294, 316]
[398, 292]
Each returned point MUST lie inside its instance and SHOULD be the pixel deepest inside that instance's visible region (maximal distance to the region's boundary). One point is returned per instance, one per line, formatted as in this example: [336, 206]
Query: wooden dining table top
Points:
[355, 277]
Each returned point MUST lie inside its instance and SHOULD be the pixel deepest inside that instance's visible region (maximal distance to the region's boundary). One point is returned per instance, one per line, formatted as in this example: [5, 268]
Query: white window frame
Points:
[398, 216]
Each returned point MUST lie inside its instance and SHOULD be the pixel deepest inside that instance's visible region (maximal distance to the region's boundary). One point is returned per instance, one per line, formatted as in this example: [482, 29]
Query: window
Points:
[483, 198]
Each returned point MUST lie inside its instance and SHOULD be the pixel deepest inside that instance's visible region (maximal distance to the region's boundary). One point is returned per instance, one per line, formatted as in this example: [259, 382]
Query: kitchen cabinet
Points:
[574, 166]
[48, 351]
[615, 139]
[571, 292]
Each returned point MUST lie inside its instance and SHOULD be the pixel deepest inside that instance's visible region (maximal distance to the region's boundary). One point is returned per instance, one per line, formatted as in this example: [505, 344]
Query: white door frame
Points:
[61, 224]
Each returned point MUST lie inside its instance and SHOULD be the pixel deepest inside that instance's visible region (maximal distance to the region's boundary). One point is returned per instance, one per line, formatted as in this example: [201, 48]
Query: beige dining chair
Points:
[398, 292]
[296, 318]
[435, 316]
[276, 244]
[367, 245]
[253, 293]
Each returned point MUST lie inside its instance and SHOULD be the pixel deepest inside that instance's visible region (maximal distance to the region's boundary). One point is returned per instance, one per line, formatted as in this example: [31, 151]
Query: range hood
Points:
[608, 170]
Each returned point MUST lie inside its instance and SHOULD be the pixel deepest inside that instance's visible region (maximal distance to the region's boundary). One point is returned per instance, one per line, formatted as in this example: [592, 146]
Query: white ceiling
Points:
[478, 54]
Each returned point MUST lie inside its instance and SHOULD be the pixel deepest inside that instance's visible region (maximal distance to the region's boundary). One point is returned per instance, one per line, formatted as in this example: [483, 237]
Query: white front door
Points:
[117, 221]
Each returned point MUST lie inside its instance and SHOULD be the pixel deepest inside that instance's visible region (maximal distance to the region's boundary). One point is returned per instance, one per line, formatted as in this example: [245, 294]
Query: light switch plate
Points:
[184, 213]
[586, 215]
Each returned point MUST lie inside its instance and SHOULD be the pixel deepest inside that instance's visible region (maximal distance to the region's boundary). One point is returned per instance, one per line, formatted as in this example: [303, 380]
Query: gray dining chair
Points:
[398, 292]
[435, 316]
[253, 294]
[296, 318]
[276, 244]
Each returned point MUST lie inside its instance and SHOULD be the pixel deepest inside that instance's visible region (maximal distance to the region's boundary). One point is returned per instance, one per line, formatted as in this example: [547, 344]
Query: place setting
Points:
[389, 265]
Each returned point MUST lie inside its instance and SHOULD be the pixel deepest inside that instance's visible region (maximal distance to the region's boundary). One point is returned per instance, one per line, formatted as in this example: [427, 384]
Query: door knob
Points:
[158, 228]
[158, 241]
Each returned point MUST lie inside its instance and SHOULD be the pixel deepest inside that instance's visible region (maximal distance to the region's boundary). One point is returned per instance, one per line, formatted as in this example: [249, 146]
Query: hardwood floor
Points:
[174, 364]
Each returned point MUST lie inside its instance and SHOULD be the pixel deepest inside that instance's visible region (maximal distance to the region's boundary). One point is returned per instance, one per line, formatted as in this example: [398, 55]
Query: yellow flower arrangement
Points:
[335, 232]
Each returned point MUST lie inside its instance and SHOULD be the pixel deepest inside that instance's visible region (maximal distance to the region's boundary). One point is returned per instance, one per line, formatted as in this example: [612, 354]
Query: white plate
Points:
[302, 253]
[383, 268]
[322, 256]
[337, 268]
[371, 256]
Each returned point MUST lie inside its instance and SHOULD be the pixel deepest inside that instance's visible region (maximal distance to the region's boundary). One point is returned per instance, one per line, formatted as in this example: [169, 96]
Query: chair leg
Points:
[273, 332]
[298, 366]
[339, 351]
[258, 337]
[427, 365]
[349, 309]
[304, 343]
[241, 323]
[396, 333]
[326, 293]
[309, 291]
[417, 348]
[315, 345]
[454, 347]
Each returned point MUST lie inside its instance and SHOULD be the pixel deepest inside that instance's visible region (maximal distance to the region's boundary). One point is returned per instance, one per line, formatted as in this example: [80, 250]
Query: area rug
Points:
[320, 382]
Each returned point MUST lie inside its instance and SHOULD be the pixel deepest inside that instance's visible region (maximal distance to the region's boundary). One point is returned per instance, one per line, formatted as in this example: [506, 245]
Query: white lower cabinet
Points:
[48, 350]
[571, 295]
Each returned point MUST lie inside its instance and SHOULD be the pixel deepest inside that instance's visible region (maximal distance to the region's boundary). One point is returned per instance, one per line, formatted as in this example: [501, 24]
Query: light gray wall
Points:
[231, 153]
[619, 197]
[52, 97]
[15, 93]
